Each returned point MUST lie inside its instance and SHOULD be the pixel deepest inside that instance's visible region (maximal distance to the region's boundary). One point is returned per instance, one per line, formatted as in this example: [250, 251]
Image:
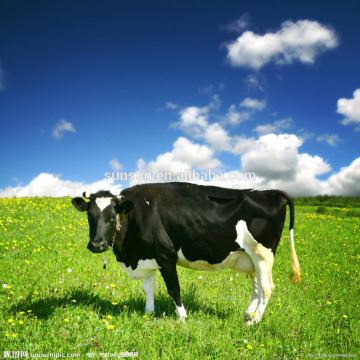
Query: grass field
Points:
[56, 298]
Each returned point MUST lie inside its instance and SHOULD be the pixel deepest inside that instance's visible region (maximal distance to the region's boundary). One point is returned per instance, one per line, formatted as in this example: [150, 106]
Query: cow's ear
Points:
[80, 204]
[125, 207]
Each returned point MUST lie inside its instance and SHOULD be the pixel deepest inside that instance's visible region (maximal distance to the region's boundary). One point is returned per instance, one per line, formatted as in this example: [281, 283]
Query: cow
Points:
[158, 226]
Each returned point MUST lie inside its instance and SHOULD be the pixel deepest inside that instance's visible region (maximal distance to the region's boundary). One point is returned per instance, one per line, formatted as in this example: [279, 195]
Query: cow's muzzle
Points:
[97, 246]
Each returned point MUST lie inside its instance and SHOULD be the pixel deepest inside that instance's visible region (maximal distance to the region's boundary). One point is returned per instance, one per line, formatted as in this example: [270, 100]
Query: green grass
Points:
[59, 299]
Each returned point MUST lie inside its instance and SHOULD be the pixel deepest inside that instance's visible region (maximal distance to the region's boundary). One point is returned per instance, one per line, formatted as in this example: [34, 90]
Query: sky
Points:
[89, 88]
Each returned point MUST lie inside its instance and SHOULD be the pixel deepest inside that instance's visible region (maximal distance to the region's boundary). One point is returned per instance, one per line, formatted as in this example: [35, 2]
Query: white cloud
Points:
[273, 156]
[253, 104]
[170, 105]
[115, 165]
[61, 127]
[275, 127]
[346, 181]
[241, 144]
[235, 117]
[302, 41]
[217, 137]
[278, 165]
[193, 120]
[238, 25]
[253, 82]
[331, 139]
[51, 185]
[206, 89]
[350, 108]
[185, 155]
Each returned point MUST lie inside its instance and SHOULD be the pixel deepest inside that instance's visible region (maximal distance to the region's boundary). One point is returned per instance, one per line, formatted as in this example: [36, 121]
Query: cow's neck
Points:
[119, 239]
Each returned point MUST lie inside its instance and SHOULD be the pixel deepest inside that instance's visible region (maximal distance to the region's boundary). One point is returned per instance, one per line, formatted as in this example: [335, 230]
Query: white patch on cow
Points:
[181, 312]
[148, 287]
[147, 202]
[238, 261]
[87, 194]
[103, 202]
[143, 270]
[263, 260]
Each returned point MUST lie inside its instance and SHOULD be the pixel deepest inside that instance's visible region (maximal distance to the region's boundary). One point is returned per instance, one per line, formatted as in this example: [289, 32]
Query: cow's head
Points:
[103, 210]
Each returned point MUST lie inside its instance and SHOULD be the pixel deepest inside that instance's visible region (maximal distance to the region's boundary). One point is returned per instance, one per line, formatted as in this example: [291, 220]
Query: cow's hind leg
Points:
[148, 286]
[248, 314]
[263, 260]
[169, 273]
[242, 262]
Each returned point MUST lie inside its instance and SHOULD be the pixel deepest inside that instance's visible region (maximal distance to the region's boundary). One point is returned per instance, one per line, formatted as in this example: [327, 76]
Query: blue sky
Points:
[88, 87]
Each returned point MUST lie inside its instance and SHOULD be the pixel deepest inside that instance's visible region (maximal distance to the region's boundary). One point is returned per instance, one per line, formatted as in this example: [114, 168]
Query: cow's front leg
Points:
[148, 286]
[169, 274]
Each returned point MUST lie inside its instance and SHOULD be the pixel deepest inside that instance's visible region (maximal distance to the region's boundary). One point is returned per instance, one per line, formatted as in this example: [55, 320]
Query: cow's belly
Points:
[238, 261]
[143, 269]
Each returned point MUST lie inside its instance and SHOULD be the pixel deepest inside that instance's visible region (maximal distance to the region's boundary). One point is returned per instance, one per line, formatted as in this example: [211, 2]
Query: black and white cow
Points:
[158, 226]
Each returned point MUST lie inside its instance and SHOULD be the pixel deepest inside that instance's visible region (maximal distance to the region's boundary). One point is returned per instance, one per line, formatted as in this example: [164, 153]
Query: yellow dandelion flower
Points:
[253, 314]
[328, 303]
[74, 301]
[66, 320]
[345, 316]
[249, 347]
[21, 312]
[109, 317]
[112, 285]
[21, 322]
[114, 303]
[262, 345]
[110, 327]
[10, 321]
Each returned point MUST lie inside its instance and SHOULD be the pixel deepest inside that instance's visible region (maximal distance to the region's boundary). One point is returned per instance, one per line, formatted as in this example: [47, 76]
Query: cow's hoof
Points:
[247, 316]
[253, 319]
[182, 319]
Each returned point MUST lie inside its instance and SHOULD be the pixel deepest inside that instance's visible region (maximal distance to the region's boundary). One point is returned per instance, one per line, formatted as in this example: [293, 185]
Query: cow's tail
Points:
[295, 274]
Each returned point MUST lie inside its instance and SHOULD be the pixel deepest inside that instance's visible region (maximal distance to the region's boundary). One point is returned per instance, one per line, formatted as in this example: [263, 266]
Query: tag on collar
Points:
[122, 216]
